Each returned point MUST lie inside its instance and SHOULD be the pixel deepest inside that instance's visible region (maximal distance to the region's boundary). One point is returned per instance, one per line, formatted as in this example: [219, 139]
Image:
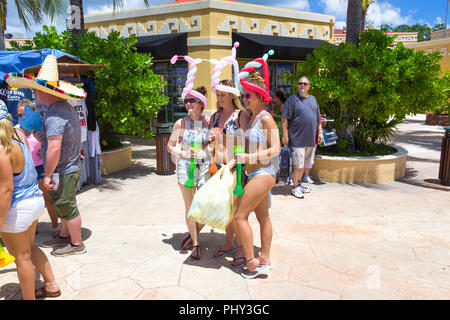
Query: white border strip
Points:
[213, 4]
[195, 42]
[427, 43]
[401, 152]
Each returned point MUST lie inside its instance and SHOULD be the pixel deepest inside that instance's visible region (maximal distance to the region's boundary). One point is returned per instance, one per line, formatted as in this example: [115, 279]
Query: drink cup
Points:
[55, 179]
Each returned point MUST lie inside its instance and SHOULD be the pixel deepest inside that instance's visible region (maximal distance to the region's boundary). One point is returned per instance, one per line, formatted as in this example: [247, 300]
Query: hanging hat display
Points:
[46, 81]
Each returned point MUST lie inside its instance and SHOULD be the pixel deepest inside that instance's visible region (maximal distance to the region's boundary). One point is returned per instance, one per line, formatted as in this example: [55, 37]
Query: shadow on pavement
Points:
[434, 184]
[111, 182]
[424, 139]
[209, 243]
[45, 233]
[144, 154]
[10, 291]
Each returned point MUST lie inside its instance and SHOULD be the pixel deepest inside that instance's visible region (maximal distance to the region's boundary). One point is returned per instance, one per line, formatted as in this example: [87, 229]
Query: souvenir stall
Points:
[71, 69]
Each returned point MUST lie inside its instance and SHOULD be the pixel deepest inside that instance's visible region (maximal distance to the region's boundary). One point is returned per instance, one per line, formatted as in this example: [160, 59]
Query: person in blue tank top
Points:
[262, 144]
[21, 204]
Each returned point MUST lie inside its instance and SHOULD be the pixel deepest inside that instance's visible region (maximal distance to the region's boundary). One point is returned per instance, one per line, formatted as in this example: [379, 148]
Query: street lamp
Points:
[445, 26]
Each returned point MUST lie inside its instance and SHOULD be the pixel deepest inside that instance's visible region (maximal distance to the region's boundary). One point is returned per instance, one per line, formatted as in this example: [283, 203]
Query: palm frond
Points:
[55, 8]
[117, 4]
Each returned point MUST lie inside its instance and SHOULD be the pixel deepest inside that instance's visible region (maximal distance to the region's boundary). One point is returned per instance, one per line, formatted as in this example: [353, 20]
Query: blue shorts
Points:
[40, 172]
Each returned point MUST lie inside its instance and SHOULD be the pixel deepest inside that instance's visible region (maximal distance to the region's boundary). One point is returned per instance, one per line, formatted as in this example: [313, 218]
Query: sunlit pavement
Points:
[342, 241]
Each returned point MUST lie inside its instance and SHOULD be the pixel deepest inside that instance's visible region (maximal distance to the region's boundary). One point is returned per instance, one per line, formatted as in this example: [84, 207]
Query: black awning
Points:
[163, 46]
[286, 48]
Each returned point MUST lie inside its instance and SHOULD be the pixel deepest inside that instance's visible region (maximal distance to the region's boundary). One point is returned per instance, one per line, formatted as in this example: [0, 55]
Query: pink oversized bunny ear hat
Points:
[189, 84]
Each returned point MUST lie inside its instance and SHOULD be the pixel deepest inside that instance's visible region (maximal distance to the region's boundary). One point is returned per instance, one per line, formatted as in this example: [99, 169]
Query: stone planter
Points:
[116, 159]
[376, 169]
[437, 119]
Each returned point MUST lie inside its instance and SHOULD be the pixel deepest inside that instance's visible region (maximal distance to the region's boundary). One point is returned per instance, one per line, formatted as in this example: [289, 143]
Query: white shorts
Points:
[303, 157]
[22, 215]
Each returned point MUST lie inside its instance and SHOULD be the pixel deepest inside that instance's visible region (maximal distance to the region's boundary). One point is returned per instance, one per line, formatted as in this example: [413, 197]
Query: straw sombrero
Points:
[46, 81]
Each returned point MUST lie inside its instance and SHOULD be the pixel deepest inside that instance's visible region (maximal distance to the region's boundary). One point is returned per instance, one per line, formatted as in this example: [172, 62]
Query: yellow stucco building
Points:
[440, 45]
[207, 29]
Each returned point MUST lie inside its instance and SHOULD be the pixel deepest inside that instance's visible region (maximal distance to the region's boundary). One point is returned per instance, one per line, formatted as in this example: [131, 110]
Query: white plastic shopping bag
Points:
[213, 202]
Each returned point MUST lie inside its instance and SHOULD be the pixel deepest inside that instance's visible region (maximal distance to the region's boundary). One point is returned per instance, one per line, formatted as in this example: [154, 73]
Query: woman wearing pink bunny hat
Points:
[189, 142]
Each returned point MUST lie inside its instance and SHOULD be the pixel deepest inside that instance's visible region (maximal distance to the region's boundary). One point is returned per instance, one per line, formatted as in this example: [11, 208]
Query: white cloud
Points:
[380, 12]
[340, 24]
[104, 8]
[14, 25]
[385, 13]
[336, 8]
[295, 5]
[98, 9]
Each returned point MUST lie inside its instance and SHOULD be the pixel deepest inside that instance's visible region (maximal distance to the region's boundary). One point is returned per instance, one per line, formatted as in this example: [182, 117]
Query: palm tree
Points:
[354, 15]
[31, 10]
[365, 7]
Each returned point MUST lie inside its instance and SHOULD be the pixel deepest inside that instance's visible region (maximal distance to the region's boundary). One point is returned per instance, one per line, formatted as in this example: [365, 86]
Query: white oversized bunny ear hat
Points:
[219, 66]
[46, 81]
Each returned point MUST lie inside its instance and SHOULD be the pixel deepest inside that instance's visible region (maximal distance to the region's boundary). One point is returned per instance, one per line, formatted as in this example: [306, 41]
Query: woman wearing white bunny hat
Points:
[227, 125]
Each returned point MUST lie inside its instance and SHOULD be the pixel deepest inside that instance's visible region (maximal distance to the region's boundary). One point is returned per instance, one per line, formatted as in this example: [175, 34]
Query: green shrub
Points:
[128, 93]
[370, 89]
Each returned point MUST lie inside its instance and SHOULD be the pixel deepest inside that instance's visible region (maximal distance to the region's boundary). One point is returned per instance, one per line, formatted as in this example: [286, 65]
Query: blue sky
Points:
[393, 12]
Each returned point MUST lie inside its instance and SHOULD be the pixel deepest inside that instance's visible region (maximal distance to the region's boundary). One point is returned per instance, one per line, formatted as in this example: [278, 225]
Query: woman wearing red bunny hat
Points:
[262, 143]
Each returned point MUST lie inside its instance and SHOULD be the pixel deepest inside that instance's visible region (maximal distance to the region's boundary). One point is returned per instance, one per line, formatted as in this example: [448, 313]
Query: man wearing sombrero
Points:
[60, 149]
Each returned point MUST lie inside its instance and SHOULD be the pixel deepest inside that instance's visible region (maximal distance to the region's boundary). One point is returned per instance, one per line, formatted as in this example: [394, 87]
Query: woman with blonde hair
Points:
[262, 144]
[21, 204]
[228, 124]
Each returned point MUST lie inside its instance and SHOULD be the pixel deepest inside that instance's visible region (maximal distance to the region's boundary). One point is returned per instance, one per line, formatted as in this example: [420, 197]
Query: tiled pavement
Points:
[343, 241]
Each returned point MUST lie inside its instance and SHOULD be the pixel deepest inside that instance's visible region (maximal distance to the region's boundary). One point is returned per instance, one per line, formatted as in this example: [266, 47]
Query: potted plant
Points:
[128, 93]
[369, 90]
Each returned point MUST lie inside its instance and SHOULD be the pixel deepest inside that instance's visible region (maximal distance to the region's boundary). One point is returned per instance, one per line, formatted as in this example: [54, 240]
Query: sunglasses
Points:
[247, 96]
[303, 84]
[192, 100]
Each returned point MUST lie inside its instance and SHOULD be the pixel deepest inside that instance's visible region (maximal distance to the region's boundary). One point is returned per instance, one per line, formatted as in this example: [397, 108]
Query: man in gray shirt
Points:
[61, 138]
[300, 122]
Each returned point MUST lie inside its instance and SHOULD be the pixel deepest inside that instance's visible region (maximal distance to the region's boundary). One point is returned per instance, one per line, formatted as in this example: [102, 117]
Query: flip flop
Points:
[199, 253]
[240, 264]
[223, 252]
[46, 294]
[263, 268]
[248, 274]
[185, 241]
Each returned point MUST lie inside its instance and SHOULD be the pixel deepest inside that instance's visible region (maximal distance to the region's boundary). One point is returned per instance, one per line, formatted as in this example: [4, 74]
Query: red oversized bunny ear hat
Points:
[250, 67]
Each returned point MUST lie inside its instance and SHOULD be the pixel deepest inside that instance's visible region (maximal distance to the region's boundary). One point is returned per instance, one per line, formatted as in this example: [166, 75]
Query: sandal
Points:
[248, 274]
[239, 264]
[43, 293]
[198, 250]
[220, 253]
[186, 244]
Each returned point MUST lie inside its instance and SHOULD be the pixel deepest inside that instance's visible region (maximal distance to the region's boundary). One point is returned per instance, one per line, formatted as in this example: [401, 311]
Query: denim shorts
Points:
[201, 174]
[40, 172]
